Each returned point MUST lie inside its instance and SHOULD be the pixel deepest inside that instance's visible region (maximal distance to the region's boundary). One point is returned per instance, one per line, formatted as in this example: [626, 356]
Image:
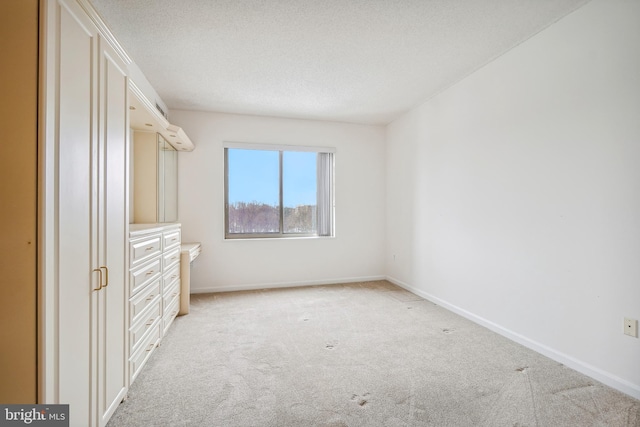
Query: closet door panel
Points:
[113, 357]
[86, 347]
[75, 222]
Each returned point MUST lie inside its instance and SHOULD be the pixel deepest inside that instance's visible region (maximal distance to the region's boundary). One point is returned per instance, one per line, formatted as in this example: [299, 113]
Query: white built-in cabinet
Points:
[98, 323]
[154, 300]
[85, 225]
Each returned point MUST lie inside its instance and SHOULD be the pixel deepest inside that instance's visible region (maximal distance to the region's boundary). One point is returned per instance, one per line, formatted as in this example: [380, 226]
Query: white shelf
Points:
[144, 116]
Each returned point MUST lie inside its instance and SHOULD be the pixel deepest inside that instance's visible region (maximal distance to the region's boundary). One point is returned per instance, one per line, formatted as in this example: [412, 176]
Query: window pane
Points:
[299, 192]
[254, 191]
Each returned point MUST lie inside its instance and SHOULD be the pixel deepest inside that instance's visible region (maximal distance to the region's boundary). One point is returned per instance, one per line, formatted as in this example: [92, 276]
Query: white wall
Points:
[357, 251]
[514, 196]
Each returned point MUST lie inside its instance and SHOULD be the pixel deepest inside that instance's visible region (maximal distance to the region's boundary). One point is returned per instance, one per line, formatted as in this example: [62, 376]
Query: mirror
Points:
[167, 181]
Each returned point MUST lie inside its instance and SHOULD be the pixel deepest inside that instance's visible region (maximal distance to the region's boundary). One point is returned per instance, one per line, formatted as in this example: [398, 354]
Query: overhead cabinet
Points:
[154, 165]
[146, 117]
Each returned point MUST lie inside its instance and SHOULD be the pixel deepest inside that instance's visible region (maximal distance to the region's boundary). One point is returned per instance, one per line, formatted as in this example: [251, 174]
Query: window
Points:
[278, 191]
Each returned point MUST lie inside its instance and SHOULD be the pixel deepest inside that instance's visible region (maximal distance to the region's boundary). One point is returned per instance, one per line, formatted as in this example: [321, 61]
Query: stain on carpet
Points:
[360, 400]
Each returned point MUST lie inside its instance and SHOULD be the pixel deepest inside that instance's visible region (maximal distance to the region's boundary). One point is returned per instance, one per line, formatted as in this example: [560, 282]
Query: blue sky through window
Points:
[299, 178]
[254, 176]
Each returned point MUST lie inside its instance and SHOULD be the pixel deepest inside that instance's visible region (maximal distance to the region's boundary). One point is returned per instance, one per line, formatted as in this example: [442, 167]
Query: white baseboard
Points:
[604, 377]
[251, 287]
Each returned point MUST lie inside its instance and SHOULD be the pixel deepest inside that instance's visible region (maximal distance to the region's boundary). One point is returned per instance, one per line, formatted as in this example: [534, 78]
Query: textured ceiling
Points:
[362, 61]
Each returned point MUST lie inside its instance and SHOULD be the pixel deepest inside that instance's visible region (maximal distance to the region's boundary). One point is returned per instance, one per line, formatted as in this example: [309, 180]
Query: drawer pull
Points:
[174, 294]
[150, 248]
[150, 321]
[174, 257]
[150, 272]
[174, 239]
[174, 312]
[150, 297]
[150, 347]
[174, 276]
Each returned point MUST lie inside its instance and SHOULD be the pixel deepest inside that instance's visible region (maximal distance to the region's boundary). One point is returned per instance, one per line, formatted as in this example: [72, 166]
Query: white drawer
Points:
[170, 293]
[171, 276]
[145, 274]
[145, 248]
[170, 314]
[137, 361]
[194, 253]
[143, 299]
[170, 239]
[171, 258]
[146, 322]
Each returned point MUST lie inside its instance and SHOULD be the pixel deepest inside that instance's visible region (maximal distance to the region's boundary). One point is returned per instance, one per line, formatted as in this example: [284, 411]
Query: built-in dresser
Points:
[154, 291]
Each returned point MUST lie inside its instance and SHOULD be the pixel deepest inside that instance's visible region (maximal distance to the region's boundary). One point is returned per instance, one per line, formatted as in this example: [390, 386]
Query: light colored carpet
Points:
[362, 354]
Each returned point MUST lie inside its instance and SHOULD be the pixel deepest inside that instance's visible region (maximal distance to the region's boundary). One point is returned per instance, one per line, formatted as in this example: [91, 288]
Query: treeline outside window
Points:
[278, 191]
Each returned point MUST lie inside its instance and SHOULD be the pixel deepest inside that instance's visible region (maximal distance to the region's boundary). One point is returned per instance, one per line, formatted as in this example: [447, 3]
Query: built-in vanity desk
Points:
[189, 252]
[154, 291]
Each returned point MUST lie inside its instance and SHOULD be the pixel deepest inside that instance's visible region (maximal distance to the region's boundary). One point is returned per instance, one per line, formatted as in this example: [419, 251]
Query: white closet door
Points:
[113, 298]
[90, 214]
[76, 188]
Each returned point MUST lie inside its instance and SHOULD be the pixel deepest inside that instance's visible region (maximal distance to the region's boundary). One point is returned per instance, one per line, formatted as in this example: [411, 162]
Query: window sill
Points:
[261, 239]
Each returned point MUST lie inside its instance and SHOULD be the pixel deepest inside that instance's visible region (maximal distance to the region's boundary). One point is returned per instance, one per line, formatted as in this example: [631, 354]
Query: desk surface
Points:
[192, 248]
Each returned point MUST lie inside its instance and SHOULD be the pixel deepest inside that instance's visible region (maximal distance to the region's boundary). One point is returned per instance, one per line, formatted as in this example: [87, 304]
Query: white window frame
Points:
[326, 191]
